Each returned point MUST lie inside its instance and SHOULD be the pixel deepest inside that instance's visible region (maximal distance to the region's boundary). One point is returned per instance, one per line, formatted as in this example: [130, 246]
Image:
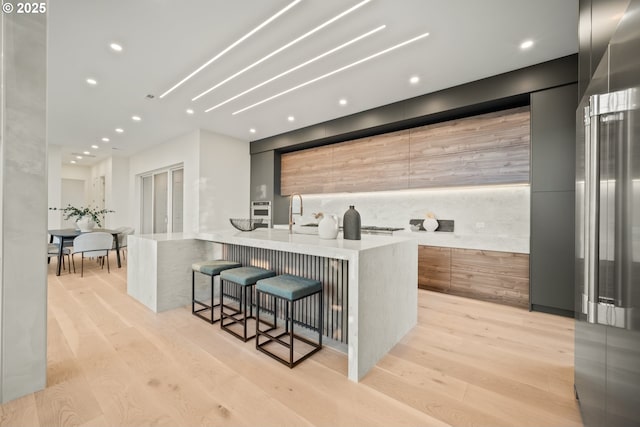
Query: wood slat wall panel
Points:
[380, 162]
[333, 273]
[307, 171]
[434, 268]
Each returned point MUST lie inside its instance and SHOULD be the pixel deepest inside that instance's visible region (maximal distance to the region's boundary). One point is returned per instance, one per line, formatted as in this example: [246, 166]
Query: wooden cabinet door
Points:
[501, 277]
[380, 162]
[490, 148]
[307, 171]
[434, 268]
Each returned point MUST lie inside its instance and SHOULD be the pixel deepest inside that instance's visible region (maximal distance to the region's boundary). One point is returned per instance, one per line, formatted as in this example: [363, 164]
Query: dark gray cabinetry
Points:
[262, 175]
[552, 199]
[552, 252]
[265, 183]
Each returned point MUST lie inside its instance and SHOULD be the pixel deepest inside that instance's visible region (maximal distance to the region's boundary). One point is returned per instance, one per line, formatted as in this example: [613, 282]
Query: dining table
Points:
[68, 234]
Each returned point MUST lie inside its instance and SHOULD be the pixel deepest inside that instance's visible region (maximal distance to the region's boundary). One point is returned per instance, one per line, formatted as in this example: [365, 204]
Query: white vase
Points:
[85, 224]
[328, 227]
[430, 224]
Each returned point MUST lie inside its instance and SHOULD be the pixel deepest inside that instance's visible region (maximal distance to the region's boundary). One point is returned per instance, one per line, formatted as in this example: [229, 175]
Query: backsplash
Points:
[499, 211]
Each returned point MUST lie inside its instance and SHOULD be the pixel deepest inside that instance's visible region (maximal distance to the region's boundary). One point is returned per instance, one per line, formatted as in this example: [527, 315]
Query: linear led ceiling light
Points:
[297, 67]
[280, 49]
[231, 46]
[353, 64]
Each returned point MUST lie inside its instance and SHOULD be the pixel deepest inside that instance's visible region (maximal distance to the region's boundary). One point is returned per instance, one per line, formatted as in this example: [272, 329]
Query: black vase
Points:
[351, 224]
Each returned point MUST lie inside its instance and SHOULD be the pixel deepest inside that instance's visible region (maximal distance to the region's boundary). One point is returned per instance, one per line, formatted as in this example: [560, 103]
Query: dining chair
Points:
[96, 244]
[53, 250]
[122, 239]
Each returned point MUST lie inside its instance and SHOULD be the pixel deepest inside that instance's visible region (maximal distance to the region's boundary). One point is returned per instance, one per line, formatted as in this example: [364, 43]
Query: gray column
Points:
[23, 205]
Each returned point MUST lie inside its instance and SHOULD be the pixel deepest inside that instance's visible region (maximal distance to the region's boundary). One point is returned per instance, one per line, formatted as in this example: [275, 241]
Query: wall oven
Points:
[262, 210]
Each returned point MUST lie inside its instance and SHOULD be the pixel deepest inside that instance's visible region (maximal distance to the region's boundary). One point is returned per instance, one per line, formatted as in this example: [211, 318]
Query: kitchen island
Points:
[369, 284]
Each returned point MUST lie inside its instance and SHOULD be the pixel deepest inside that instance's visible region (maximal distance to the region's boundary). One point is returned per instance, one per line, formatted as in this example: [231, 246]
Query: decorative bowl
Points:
[244, 224]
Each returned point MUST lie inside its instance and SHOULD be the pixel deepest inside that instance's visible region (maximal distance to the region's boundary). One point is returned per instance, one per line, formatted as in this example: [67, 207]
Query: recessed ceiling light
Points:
[105, 139]
[343, 102]
[95, 147]
[414, 80]
[526, 44]
[190, 111]
[324, 76]
[79, 157]
[116, 47]
[92, 81]
[286, 46]
[297, 67]
[291, 118]
[252, 130]
[73, 162]
[136, 118]
[86, 152]
[231, 46]
[119, 130]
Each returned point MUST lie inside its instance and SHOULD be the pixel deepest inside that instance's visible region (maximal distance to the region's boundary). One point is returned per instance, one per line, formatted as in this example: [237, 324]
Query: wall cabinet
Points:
[486, 149]
[490, 148]
[500, 277]
[309, 172]
[369, 164]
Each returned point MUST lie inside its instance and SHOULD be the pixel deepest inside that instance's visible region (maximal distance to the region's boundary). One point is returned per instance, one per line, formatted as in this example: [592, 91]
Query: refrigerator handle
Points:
[592, 207]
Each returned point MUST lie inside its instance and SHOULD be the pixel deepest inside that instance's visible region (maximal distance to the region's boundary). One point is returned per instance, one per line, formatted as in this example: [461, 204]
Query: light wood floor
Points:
[112, 362]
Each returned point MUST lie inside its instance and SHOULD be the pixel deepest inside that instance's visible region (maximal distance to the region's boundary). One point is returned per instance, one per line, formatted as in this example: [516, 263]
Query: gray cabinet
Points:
[262, 175]
[265, 183]
[553, 199]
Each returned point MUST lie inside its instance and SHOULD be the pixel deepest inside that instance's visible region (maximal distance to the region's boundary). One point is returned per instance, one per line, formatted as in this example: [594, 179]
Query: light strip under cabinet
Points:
[353, 64]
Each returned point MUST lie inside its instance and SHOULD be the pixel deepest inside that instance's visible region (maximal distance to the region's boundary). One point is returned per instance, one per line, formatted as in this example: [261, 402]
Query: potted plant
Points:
[86, 217]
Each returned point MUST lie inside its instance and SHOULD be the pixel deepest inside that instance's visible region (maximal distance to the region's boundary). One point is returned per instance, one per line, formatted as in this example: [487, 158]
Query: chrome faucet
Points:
[291, 210]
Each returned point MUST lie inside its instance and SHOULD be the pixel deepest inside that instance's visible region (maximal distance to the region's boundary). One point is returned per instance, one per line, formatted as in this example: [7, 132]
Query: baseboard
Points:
[553, 310]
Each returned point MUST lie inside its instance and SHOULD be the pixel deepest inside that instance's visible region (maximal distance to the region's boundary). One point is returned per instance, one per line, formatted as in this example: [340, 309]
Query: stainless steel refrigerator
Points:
[607, 336]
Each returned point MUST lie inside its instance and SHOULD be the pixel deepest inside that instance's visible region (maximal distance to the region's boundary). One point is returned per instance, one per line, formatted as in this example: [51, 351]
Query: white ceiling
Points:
[165, 40]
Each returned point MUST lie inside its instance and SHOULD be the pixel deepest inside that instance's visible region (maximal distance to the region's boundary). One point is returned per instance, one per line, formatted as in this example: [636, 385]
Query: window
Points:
[161, 198]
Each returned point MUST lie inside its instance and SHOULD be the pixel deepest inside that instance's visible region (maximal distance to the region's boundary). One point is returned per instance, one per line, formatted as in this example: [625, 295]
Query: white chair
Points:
[54, 249]
[96, 244]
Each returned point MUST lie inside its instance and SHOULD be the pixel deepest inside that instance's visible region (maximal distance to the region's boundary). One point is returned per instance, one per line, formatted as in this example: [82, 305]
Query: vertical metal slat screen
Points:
[333, 273]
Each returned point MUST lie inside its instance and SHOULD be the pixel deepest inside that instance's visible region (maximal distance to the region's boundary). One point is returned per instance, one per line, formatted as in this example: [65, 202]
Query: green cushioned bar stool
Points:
[209, 268]
[290, 289]
[239, 286]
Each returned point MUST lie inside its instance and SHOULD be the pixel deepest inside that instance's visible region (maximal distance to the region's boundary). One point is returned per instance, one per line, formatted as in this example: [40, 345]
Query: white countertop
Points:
[468, 241]
[282, 240]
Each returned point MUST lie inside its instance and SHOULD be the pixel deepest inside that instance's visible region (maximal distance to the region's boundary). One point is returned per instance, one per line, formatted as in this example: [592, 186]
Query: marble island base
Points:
[370, 286]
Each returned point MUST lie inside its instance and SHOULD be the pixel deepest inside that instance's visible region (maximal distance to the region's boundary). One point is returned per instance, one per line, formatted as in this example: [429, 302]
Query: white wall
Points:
[118, 197]
[115, 171]
[183, 149]
[54, 184]
[78, 172]
[216, 178]
[225, 164]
